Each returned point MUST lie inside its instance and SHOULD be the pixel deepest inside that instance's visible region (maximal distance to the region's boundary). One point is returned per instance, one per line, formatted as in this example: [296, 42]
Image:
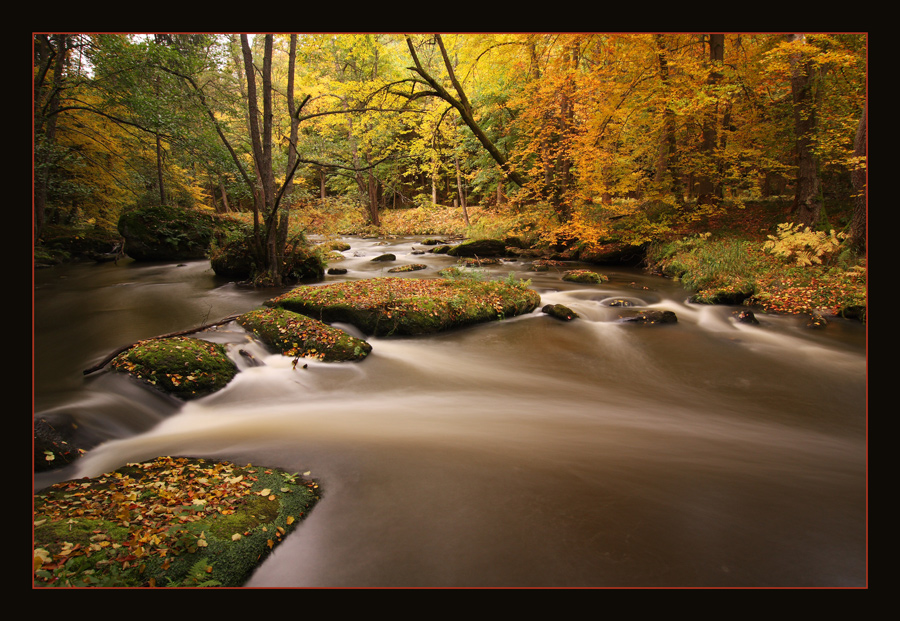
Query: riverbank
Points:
[722, 256]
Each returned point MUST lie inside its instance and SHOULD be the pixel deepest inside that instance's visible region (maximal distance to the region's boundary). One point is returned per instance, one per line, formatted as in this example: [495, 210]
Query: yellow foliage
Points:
[802, 245]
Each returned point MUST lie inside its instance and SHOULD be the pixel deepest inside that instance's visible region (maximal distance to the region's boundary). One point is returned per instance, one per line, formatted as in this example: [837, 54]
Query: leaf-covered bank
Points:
[730, 270]
[172, 521]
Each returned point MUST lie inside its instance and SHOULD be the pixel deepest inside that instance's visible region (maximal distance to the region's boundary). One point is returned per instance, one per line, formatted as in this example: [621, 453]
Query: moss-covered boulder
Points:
[233, 258]
[412, 267]
[64, 243]
[182, 366]
[479, 262]
[299, 336]
[651, 316]
[410, 306]
[164, 233]
[613, 253]
[560, 311]
[171, 521]
[52, 445]
[585, 277]
[479, 248]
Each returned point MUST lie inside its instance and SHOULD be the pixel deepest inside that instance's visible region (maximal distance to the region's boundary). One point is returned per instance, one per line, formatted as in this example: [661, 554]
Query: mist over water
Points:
[527, 452]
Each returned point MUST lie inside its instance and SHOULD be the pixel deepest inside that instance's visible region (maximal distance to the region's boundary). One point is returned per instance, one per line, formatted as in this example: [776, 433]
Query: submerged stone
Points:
[745, 316]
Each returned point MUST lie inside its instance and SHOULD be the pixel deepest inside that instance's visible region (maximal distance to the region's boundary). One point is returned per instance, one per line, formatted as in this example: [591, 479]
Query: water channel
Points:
[529, 452]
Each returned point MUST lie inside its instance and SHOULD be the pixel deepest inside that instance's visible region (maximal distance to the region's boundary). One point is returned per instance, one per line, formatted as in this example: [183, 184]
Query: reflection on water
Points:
[528, 452]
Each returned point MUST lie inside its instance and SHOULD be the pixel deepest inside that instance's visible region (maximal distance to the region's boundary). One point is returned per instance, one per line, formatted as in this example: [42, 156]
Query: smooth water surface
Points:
[528, 452]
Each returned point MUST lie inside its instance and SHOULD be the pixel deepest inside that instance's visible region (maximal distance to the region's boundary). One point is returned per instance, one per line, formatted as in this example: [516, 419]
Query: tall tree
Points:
[460, 103]
[50, 55]
[857, 237]
[807, 203]
[707, 189]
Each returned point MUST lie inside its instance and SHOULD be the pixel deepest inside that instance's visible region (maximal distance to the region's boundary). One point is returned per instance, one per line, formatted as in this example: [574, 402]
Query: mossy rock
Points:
[337, 246]
[544, 265]
[412, 267]
[298, 336]
[234, 259]
[165, 233]
[479, 248]
[651, 316]
[410, 306]
[67, 242]
[613, 253]
[385, 257]
[479, 262]
[182, 366]
[585, 277]
[560, 311]
[723, 296]
[171, 521]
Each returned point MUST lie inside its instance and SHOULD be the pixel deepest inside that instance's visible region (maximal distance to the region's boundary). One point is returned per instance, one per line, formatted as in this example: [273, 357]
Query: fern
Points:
[196, 576]
[802, 245]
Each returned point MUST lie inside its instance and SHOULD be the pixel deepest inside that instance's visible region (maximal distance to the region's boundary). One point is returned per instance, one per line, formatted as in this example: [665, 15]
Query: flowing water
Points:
[524, 453]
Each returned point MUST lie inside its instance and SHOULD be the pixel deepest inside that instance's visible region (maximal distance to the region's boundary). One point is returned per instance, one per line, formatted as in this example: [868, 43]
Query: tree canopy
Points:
[655, 127]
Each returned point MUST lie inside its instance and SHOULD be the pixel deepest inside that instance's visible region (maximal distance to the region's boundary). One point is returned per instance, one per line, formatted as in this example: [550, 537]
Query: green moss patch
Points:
[172, 521]
[296, 335]
[185, 367]
[163, 233]
[410, 306]
[585, 276]
[412, 267]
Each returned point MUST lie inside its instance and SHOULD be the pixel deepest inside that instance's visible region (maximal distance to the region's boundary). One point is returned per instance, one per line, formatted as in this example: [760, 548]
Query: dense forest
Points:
[573, 138]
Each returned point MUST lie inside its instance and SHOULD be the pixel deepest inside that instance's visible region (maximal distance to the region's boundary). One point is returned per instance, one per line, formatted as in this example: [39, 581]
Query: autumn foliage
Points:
[172, 521]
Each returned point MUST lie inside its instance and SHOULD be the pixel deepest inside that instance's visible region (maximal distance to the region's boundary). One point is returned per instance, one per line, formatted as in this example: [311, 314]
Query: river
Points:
[529, 452]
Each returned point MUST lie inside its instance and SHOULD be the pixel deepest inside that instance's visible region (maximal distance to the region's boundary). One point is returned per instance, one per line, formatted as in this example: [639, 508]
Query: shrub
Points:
[802, 245]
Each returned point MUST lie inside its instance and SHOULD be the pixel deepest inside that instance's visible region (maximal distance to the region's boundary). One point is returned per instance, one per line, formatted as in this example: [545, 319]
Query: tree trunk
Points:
[707, 191]
[461, 191]
[224, 197]
[859, 178]
[463, 107]
[284, 221]
[666, 163]
[45, 124]
[159, 171]
[261, 140]
[807, 206]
